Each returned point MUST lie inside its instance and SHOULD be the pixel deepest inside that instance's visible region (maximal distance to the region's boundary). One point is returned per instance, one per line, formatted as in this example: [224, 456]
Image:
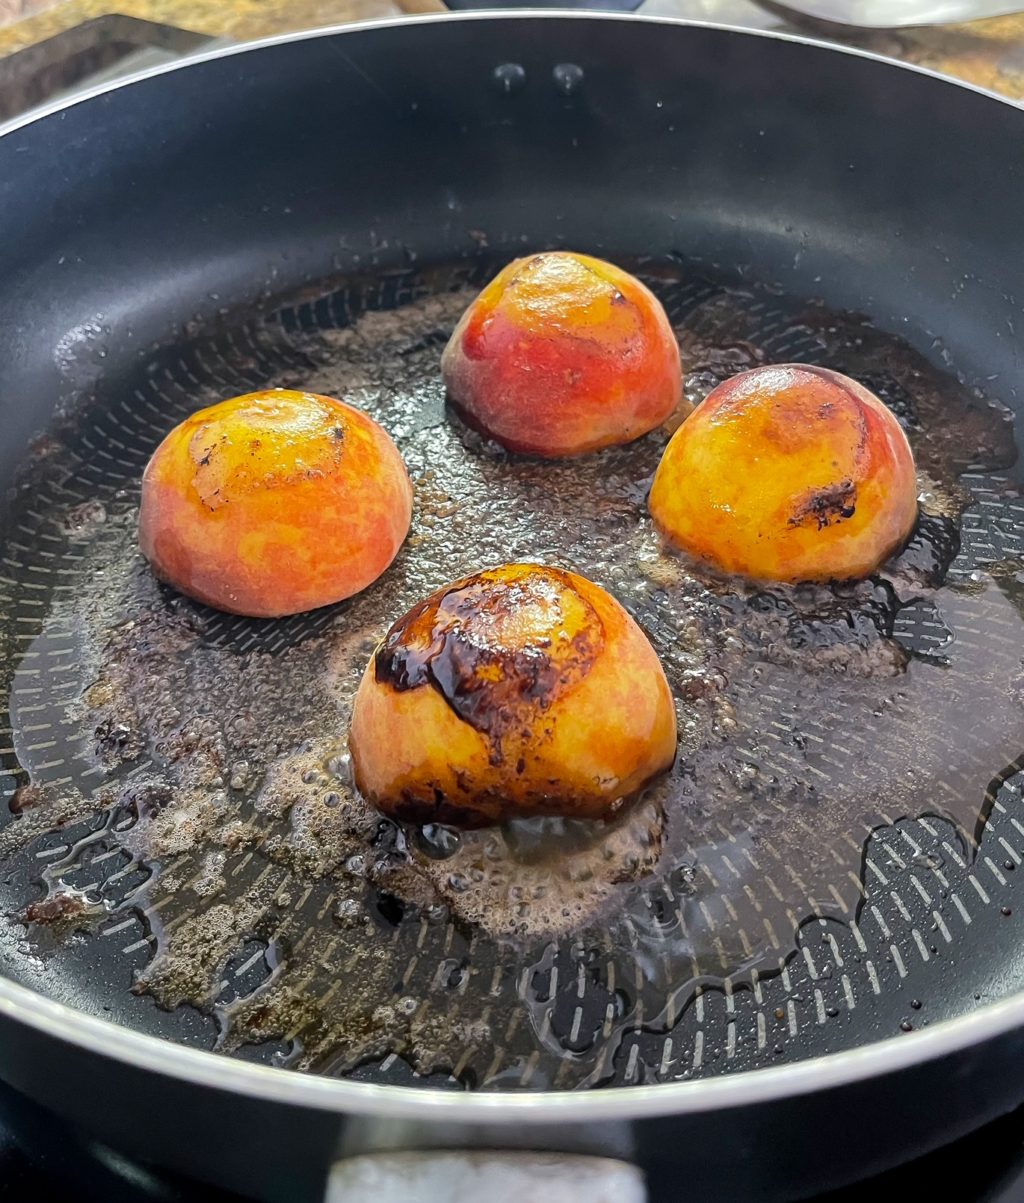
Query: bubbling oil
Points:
[211, 751]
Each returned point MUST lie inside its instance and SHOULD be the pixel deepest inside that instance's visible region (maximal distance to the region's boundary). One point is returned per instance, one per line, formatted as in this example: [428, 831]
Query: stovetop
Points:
[42, 1159]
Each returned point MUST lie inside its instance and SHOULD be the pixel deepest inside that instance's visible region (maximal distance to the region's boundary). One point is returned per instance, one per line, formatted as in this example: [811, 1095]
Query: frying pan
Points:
[150, 229]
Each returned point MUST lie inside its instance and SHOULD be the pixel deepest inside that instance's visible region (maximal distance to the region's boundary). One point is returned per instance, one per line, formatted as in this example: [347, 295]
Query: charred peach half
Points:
[788, 473]
[520, 691]
[273, 503]
[563, 354]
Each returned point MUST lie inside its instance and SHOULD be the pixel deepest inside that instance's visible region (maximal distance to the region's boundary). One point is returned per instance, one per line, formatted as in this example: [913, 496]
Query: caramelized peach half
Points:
[519, 691]
[788, 473]
[273, 503]
[563, 354]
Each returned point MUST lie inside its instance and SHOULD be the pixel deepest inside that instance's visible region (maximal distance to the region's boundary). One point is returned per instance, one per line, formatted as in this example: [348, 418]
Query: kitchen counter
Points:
[39, 36]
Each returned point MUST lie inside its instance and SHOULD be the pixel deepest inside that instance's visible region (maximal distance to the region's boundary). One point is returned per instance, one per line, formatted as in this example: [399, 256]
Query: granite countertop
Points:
[989, 53]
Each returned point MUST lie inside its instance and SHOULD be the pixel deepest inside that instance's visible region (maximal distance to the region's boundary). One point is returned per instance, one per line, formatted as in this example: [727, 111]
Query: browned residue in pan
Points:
[212, 751]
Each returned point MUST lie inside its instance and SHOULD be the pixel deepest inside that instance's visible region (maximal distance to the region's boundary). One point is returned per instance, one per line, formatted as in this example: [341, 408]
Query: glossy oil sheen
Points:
[202, 789]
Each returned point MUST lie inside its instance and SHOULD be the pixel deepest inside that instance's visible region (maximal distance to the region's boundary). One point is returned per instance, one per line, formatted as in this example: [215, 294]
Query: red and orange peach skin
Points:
[274, 502]
[788, 473]
[562, 354]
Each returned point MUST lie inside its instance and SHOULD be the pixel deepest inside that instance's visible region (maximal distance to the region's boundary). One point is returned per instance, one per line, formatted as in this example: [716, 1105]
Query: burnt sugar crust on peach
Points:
[453, 642]
[194, 784]
[825, 506]
[518, 692]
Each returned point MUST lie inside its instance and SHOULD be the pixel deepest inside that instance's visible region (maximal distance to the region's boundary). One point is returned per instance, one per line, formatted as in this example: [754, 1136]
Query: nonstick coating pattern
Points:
[834, 896]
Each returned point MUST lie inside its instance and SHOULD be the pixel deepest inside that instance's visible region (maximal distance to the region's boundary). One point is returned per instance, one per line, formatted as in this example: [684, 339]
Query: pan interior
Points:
[833, 858]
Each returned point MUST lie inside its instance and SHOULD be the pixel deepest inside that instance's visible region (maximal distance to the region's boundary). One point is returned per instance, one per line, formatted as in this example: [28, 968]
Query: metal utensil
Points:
[884, 14]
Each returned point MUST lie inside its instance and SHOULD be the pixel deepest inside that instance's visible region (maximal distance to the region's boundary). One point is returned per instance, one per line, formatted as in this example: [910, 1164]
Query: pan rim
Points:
[21, 1004]
[44, 111]
[266, 1083]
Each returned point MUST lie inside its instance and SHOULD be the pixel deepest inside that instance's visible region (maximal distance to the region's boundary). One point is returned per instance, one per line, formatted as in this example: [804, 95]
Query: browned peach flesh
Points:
[273, 503]
[520, 691]
[563, 354]
[788, 473]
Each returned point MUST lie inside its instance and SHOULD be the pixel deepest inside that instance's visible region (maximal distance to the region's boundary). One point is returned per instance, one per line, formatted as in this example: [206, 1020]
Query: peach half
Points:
[273, 503]
[788, 473]
[562, 354]
[520, 691]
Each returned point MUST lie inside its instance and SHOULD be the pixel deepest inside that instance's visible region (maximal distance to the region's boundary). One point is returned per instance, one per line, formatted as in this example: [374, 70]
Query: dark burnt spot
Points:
[338, 433]
[433, 808]
[826, 506]
[25, 797]
[56, 908]
[452, 641]
[426, 806]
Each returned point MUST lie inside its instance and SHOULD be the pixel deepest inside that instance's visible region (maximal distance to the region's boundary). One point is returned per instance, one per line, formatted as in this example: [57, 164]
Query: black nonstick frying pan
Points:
[798, 963]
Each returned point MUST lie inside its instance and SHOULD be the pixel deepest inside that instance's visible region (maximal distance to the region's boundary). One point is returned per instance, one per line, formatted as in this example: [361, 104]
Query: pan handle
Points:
[457, 1176]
